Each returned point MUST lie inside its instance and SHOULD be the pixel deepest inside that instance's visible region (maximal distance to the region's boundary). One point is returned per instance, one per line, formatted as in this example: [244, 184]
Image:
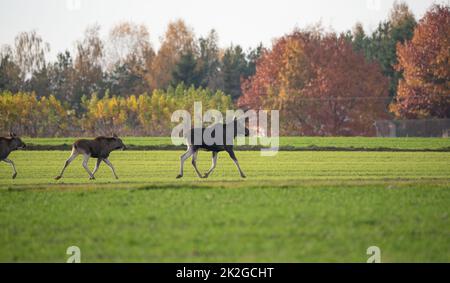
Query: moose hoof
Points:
[57, 177]
[92, 178]
[179, 176]
[14, 175]
[205, 176]
[243, 176]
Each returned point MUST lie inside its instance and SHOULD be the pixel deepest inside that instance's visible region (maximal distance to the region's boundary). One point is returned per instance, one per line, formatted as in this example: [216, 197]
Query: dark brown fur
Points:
[226, 144]
[7, 145]
[99, 148]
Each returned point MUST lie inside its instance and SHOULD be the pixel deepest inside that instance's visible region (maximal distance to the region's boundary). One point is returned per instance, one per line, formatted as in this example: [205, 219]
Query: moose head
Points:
[16, 142]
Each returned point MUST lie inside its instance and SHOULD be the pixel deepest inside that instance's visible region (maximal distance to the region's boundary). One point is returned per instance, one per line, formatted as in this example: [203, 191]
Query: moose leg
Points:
[213, 165]
[99, 160]
[85, 165]
[68, 161]
[183, 158]
[13, 167]
[110, 166]
[233, 156]
[194, 163]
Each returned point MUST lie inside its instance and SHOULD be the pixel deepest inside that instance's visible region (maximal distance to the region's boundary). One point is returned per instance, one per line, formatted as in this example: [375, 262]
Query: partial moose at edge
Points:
[7, 145]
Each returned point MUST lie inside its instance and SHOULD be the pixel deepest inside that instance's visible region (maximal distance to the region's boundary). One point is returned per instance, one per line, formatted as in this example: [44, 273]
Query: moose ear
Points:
[12, 134]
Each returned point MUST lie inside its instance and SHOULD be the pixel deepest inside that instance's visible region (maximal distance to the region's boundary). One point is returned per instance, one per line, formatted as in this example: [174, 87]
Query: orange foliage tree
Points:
[320, 85]
[424, 91]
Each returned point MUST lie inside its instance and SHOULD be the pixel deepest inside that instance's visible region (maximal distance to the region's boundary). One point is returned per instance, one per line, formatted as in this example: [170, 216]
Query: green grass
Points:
[367, 142]
[294, 207]
[127, 140]
[161, 167]
[340, 142]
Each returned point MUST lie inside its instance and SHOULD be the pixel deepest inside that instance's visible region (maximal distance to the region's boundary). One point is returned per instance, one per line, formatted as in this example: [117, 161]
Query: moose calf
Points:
[99, 148]
[8, 144]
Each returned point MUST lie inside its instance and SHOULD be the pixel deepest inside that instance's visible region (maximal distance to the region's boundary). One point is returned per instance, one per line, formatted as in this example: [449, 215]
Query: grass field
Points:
[294, 207]
[296, 142]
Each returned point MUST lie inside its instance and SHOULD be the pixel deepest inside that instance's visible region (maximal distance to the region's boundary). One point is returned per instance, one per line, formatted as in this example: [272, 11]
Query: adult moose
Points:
[195, 138]
[7, 145]
[99, 148]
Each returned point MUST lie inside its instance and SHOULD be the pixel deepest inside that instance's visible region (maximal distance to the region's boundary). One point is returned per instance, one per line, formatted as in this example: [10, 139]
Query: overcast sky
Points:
[244, 22]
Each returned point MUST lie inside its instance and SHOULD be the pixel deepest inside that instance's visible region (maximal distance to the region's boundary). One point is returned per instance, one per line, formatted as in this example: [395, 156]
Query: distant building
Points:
[413, 128]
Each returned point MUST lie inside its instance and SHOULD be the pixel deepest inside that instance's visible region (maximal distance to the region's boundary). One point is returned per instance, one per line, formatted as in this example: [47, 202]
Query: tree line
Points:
[340, 84]
[124, 63]
[323, 83]
[144, 114]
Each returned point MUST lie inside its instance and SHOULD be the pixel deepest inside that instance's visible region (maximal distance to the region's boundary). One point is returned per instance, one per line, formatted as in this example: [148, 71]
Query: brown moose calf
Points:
[99, 148]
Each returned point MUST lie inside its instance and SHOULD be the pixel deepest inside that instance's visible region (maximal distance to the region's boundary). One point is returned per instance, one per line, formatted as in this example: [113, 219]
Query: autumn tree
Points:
[33, 116]
[129, 58]
[88, 66]
[178, 39]
[381, 45]
[147, 114]
[29, 53]
[9, 71]
[400, 27]
[424, 92]
[320, 84]
[23, 67]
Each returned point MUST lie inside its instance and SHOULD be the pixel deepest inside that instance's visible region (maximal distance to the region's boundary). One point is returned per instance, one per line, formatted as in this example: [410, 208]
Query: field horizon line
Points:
[37, 147]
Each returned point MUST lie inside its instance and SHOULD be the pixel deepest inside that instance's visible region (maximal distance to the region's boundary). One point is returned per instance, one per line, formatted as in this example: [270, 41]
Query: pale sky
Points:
[244, 22]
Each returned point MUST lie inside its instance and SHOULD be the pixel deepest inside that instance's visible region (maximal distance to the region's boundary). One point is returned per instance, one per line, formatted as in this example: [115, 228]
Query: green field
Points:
[295, 207]
[296, 142]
